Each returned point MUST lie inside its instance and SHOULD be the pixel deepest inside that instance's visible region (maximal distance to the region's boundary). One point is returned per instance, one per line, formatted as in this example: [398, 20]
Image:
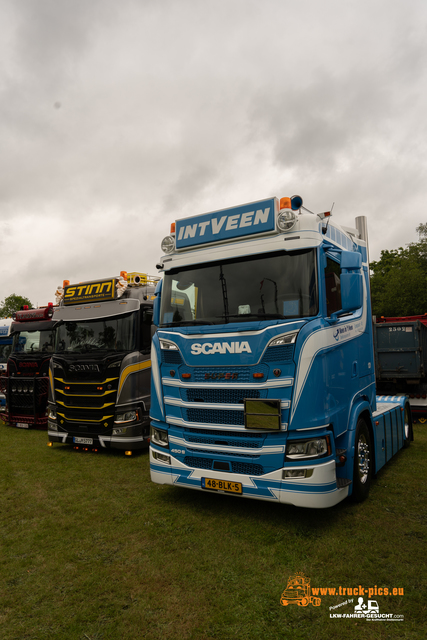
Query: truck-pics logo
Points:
[219, 347]
[298, 592]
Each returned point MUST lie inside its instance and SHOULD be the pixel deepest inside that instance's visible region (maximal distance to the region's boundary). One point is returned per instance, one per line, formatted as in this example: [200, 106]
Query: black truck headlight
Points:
[126, 416]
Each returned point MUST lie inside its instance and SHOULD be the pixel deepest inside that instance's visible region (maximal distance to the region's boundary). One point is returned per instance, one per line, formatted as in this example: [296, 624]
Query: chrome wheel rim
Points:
[363, 459]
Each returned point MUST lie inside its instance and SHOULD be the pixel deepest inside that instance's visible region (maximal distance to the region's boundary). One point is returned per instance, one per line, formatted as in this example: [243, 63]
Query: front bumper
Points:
[136, 437]
[318, 491]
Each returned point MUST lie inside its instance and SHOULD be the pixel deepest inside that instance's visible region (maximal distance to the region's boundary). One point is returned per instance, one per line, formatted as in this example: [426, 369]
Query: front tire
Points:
[362, 468]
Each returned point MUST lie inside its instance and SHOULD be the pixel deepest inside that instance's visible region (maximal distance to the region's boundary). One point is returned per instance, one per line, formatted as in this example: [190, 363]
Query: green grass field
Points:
[91, 550]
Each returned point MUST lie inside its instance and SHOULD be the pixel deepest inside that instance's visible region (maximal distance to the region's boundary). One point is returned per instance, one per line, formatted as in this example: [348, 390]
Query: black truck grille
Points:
[27, 396]
[86, 406]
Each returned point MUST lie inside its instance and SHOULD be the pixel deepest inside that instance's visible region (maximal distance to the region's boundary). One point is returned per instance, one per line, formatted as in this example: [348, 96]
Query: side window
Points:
[333, 286]
[145, 338]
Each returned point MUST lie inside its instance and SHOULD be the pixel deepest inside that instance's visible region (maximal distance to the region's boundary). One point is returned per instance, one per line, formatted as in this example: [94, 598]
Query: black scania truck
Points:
[100, 372]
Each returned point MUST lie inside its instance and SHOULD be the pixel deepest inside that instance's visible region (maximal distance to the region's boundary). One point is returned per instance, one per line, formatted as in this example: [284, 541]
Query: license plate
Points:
[77, 440]
[22, 425]
[221, 485]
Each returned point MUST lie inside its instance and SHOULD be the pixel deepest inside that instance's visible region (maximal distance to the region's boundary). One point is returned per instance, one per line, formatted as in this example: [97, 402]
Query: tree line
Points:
[13, 303]
[399, 279]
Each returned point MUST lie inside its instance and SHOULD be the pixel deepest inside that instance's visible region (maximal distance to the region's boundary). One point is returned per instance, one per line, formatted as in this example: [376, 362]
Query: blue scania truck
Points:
[263, 380]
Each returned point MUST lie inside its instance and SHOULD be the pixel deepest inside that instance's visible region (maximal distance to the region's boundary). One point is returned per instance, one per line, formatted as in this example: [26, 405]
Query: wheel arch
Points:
[360, 409]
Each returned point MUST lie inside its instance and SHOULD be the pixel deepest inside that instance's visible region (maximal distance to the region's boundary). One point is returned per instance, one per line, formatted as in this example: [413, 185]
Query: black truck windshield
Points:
[25, 342]
[106, 334]
[262, 287]
[5, 349]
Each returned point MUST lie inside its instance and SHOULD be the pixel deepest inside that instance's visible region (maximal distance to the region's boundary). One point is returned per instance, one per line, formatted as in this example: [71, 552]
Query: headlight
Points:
[297, 473]
[286, 338]
[168, 244]
[313, 448]
[160, 437]
[161, 457]
[127, 416]
[286, 220]
[166, 345]
[119, 431]
[51, 413]
[113, 365]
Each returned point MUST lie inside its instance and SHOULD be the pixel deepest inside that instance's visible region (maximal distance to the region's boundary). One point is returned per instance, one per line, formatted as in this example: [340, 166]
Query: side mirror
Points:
[350, 260]
[351, 291]
[156, 304]
[351, 281]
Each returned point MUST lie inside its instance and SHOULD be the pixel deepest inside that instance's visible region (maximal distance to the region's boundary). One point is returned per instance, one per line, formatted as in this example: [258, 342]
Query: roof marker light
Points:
[172, 227]
[285, 203]
[296, 203]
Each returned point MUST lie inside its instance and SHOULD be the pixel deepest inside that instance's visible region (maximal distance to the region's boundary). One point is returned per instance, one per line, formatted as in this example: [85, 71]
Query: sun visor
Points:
[97, 310]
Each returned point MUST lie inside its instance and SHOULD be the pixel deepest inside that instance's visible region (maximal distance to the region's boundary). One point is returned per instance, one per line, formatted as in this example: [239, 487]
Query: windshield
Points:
[5, 349]
[33, 342]
[278, 285]
[109, 334]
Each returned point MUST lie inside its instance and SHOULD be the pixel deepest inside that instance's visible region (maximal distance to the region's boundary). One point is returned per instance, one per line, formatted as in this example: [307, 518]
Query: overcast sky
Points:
[119, 117]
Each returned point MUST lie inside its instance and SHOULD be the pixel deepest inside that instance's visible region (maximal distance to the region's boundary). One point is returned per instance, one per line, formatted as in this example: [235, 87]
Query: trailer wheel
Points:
[407, 417]
[362, 469]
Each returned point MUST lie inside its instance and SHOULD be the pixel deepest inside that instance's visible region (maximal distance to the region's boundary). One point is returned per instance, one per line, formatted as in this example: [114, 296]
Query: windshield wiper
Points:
[265, 316]
[184, 323]
[224, 291]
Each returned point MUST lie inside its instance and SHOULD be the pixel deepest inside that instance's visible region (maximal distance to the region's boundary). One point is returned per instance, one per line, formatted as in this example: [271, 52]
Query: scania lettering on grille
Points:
[210, 348]
[84, 367]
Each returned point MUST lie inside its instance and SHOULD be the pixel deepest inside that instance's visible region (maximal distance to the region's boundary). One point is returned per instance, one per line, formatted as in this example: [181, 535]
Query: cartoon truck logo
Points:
[298, 592]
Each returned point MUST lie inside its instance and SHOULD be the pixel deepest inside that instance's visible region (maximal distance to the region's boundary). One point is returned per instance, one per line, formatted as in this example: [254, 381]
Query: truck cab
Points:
[26, 381]
[99, 391]
[263, 381]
